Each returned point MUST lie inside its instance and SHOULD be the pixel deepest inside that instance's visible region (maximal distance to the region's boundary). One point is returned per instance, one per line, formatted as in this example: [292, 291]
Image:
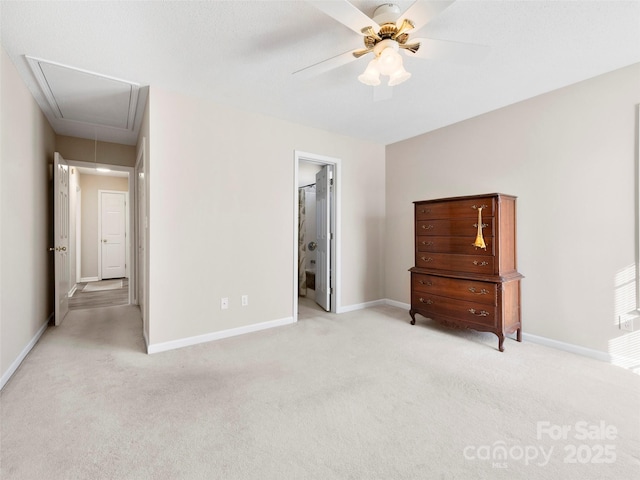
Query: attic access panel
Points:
[81, 96]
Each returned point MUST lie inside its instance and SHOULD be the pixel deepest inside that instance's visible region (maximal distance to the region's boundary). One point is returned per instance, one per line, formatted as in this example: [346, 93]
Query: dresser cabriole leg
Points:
[519, 335]
[500, 342]
[413, 317]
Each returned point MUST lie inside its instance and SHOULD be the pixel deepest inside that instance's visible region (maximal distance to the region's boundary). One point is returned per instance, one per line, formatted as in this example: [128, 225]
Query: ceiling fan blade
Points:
[325, 65]
[456, 52]
[422, 12]
[345, 13]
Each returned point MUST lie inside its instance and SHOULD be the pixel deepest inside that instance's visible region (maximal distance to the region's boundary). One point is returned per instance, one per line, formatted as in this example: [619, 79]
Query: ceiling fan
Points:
[387, 33]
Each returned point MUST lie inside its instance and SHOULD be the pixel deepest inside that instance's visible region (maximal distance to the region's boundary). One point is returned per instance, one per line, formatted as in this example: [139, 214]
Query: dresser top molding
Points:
[467, 197]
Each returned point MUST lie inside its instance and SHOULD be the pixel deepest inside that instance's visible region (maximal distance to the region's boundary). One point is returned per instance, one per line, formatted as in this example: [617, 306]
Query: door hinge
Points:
[331, 182]
[331, 291]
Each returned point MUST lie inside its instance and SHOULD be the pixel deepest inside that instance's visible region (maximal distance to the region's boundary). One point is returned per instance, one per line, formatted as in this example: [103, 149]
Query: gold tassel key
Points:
[479, 243]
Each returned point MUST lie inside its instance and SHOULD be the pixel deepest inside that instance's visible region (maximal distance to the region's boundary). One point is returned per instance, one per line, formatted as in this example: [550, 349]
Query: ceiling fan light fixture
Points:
[389, 61]
[371, 75]
[399, 76]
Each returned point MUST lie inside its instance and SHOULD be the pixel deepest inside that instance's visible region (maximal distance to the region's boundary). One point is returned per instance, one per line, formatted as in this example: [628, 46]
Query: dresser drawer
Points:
[459, 227]
[463, 245]
[482, 264]
[456, 208]
[469, 313]
[467, 290]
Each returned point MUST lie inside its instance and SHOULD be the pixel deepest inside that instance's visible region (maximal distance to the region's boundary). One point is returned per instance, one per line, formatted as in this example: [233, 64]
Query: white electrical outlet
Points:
[626, 322]
[245, 300]
[224, 303]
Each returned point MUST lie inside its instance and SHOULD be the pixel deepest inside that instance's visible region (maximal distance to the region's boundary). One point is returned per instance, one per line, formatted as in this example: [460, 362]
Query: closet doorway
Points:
[316, 275]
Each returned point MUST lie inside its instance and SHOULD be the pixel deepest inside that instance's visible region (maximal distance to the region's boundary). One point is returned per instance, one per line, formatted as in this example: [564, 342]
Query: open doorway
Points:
[316, 276]
[100, 236]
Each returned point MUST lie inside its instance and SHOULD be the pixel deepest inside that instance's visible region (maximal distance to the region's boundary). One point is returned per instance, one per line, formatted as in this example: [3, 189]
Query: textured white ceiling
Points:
[243, 54]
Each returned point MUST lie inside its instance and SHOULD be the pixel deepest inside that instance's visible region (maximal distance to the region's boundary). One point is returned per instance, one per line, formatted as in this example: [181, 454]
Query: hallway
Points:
[105, 298]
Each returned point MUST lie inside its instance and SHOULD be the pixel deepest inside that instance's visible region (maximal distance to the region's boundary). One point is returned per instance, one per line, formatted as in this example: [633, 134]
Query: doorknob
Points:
[63, 249]
[104, 240]
[52, 249]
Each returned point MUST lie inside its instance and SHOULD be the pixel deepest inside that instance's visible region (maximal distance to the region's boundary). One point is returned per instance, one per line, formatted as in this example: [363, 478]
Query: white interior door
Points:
[113, 247]
[323, 237]
[61, 237]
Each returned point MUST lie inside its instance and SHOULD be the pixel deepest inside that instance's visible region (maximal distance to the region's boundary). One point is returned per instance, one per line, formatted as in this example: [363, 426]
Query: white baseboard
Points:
[393, 303]
[25, 351]
[547, 342]
[73, 290]
[567, 347]
[89, 279]
[209, 337]
[359, 306]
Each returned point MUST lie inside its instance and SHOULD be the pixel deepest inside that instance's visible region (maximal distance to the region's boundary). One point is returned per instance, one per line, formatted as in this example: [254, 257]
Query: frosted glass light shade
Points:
[399, 76]
[371, 75]
[389, 61]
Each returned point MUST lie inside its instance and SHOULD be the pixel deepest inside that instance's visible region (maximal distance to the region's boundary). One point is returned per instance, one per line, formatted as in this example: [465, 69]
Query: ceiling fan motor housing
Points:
[386, 13]
[385, 16]
[389, 35]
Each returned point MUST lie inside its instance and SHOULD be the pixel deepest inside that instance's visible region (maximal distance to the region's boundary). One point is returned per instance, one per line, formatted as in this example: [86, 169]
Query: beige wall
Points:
[81, 149]
[26, 150]
[221, 215]
[569, 157]
[90, 185]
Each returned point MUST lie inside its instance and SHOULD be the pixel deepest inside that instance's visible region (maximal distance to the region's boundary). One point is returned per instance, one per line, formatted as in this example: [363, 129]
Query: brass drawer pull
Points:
[482, 291]
[484, 225]
[427, 227]
[426, 259]
[427, 301]
[427, 283]
[475, 207]
[480, 264]
[425, 210]
[427, 244]
[481, 313]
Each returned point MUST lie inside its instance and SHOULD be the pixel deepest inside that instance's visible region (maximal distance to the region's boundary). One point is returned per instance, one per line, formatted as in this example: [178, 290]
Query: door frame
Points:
[127, 266]
[129, 210]
[141, 236]
[335, 244]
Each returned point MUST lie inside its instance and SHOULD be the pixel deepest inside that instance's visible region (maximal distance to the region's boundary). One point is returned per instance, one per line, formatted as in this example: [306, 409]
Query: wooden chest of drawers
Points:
[460, 284]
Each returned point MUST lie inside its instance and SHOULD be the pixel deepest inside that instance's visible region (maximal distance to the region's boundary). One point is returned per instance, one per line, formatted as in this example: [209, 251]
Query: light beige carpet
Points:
[103, 285]
[363, 395]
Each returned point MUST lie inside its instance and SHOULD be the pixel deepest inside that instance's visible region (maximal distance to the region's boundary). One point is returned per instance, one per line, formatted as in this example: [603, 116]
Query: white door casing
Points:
[141, 229]
[61, 237]
[112, 228]
[323, 237]
[335, 244]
